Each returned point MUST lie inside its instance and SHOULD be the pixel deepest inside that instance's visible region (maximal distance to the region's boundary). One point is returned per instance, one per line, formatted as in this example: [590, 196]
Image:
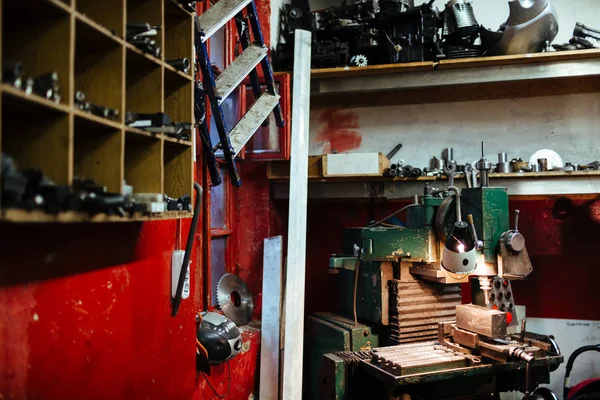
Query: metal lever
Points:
[514, 240]
[478, 243]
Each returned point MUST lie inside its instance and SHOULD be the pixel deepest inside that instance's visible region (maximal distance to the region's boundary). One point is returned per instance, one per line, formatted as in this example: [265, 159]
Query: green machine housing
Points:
[402, 290]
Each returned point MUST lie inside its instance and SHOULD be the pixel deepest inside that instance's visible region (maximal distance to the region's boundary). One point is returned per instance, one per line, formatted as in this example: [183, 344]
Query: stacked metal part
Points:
[461, 30]
[416, 308]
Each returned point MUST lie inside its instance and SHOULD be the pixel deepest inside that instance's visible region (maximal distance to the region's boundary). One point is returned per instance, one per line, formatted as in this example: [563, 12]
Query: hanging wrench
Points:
[450, 171]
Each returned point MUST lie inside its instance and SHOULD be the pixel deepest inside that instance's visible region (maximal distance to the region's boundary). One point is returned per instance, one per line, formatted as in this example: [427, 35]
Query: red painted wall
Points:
[563, 250]
[85, 313]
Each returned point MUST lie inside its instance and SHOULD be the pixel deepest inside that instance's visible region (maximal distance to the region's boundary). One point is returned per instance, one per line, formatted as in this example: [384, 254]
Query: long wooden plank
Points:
[271, 318]
[296, 250]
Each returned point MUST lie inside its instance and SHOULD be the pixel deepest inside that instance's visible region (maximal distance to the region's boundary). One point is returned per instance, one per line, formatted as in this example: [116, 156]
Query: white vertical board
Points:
[271, 315]
[296, 249]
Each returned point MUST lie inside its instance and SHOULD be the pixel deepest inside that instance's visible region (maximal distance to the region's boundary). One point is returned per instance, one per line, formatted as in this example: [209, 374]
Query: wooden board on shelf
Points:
[354, 165]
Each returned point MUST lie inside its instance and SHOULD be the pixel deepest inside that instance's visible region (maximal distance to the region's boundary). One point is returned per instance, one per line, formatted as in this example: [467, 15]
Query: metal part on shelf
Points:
[234, 299]
[530, 26]
[484, 167]
[553, 159]
[503, 166]
[139, 35]
[12, 73]
[460, 30]
[180, 64]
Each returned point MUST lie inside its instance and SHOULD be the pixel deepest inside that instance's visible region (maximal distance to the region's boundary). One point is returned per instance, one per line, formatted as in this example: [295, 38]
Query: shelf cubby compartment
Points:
[143, 84]
[178, 169]
[36, 136]
[178, 31]
[178, 97]
[98, 150]
[39, 37]
[99, 67]
[143, 163]
[108, 13]
[147, 11]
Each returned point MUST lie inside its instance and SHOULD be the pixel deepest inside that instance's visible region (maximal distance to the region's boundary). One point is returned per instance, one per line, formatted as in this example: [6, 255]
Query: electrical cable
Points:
[221, 396]
[374, 224]
[188, 250]
[356, 271]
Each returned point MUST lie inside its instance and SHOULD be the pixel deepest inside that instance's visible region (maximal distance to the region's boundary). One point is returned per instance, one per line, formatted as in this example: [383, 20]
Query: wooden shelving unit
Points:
[531, 186]
[83, 41]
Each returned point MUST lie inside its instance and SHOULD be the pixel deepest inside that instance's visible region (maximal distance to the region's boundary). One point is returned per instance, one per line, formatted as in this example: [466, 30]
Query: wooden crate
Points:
[84, 43]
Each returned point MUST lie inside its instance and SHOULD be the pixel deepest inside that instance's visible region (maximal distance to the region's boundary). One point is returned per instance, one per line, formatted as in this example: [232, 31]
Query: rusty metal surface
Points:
[416, 308]
[419, 358]
[482, 369]
[490, 323]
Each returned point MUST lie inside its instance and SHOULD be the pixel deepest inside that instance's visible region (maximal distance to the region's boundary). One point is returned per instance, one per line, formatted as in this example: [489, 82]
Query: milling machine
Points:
[403, 327]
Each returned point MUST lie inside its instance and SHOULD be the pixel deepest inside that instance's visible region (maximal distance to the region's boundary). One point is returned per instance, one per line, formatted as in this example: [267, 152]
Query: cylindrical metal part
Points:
[180, 64]
[504, 168]
[441, 164]
[449, 154]
[535, 168]
[543, 163]
[502, 157]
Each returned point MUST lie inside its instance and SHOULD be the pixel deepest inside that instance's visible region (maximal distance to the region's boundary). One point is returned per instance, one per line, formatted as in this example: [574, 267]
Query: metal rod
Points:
[296, 249]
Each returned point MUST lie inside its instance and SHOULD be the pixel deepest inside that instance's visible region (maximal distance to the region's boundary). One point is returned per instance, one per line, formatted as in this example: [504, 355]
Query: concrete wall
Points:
[567, 123]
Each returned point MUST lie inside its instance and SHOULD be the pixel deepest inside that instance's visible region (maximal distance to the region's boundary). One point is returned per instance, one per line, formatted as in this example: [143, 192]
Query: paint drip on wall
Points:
[338, 131]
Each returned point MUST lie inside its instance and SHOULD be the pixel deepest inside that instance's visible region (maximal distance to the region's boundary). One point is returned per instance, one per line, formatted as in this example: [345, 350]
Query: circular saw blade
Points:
[234, 299]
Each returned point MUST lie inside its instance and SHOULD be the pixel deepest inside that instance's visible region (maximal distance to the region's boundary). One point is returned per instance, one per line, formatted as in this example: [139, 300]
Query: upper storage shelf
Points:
[463, 79]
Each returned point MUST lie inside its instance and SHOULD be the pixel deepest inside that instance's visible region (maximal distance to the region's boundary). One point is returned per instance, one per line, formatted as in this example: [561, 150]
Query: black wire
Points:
[228, 383]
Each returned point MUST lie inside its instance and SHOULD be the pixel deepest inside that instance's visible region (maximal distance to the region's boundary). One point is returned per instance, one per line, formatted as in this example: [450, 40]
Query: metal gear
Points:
[234, 299]
[359, 60]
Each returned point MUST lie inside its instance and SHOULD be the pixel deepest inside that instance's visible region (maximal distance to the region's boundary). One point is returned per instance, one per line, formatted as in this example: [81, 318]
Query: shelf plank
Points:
[33, 99]
[181, 74]
[174, 9]
[132, 48]
[580, 184]
[454, 74]
[96, 120]
[518, 59]
[177, 141]
[24, 216]
[83, 19]
[371, 70]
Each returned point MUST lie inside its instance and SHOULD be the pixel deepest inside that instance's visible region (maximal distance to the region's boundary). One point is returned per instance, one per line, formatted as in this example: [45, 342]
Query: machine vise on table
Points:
[402, 281]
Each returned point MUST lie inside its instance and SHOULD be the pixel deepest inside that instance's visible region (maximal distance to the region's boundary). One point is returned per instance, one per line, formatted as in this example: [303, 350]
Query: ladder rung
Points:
[250, 122]
[238, 70]
[218, 15]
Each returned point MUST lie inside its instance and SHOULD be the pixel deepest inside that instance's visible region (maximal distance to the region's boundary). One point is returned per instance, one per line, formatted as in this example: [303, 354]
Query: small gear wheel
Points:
[359, 60]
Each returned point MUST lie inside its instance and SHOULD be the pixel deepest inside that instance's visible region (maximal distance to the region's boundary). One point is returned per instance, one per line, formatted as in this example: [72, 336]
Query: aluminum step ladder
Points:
[217, 89]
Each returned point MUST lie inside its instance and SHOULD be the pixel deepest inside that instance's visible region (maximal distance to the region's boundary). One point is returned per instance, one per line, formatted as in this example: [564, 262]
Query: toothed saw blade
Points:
[234, 299]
